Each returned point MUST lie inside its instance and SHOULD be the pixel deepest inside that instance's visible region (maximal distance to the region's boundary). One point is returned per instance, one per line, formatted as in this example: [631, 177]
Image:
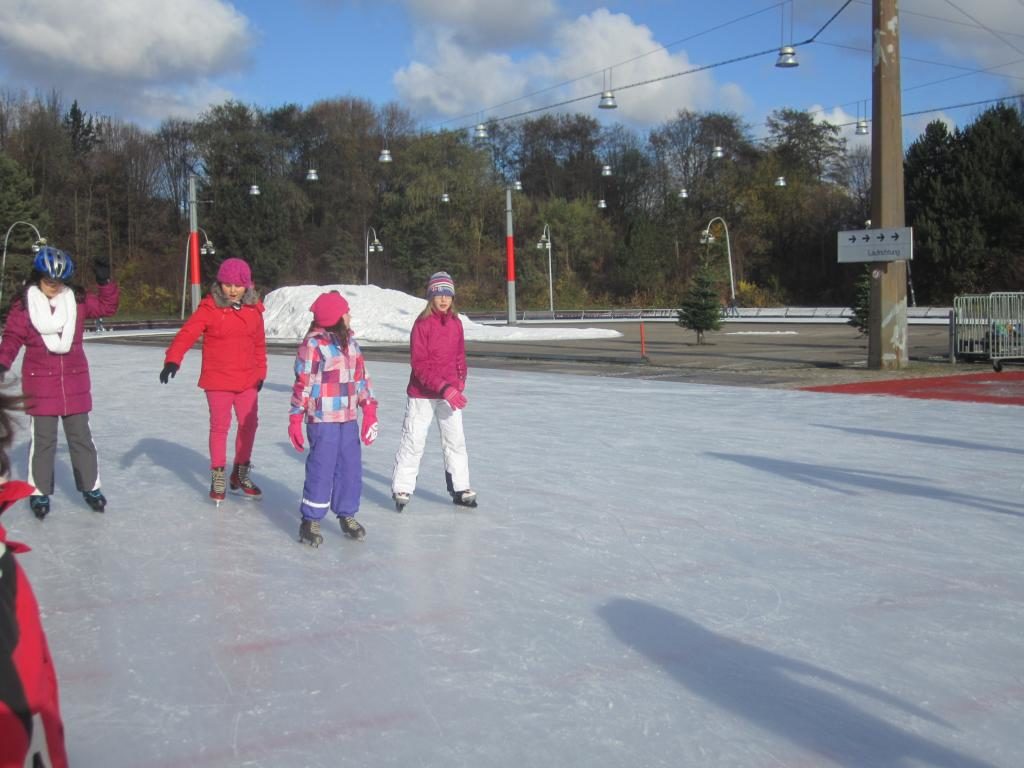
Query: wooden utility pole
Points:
[887, 336]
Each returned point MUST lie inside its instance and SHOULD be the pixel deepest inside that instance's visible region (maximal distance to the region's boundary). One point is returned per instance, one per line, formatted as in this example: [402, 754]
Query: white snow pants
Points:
[419, 412]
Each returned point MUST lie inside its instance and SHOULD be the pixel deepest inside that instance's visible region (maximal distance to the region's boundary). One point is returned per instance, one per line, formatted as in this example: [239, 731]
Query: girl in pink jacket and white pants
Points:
[437, 352]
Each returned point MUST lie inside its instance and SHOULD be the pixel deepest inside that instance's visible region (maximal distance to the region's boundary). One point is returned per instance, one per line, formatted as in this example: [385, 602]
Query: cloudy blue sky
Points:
[453, 62]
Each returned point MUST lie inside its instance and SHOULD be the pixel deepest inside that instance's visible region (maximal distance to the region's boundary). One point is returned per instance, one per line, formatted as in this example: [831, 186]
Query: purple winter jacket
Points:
[437, 352]
[54, 385]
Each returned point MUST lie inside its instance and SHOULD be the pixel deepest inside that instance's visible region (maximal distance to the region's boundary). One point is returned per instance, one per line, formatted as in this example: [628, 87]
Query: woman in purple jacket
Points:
[47, 318]
[437, 352]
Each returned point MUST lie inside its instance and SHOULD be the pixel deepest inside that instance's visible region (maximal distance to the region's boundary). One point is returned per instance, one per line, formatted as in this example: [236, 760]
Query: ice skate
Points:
[351, 527]
[309, 533]
[95, 499]
[400, 499]
[465, 498]
[218, 485]
[242, 482]
[40, 505]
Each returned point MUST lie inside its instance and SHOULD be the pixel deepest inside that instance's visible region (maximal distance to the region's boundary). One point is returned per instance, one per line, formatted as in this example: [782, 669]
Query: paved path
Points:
[744, 354]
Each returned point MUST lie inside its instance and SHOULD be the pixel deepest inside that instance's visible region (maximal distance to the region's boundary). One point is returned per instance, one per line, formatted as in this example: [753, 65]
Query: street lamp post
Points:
[206, 250]
[510, 253]
[707, 237]
[40, 240]
[545, 242]
[374, 247]
[193, 240]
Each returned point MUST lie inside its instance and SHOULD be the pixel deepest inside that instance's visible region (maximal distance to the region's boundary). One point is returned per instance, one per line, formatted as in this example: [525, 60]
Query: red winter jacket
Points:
[55, 385]
[437, 351]
[30, 722]
[234, 342]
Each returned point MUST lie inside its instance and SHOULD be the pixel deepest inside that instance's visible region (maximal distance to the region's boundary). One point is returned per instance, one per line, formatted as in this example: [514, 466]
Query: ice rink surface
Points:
[658, 574]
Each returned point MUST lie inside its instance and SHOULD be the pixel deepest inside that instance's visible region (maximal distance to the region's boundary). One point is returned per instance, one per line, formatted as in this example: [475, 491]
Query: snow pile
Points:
[385, 316]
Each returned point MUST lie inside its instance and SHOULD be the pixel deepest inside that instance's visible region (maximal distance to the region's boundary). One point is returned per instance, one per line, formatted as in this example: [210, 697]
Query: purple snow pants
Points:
[334, 470]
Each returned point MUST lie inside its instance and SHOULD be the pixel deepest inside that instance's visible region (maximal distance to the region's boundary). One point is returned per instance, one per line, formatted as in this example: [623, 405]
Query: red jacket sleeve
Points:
[261, 347]
[189, 334]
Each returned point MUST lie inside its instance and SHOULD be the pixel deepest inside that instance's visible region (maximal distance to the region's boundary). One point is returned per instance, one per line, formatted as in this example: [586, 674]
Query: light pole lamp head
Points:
[787, 57]
[376, 247]
[683, 193]
[717, 153]
[862, 128]
[38, 244]
[606, 170]
[780, 181]
[312, 175]
[607, 101]
[445, 197]
[706, 237]
[254, 190]
[480, 132]
[602, 204]
[385, 156]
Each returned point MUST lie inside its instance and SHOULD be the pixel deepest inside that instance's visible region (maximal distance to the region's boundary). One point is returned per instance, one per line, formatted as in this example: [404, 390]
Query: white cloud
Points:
[452, 80]
[486, 23]
[447, 79]
[125, 39]
[123, 53]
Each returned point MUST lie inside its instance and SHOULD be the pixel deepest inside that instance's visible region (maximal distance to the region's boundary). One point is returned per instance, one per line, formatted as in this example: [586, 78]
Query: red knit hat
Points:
[328, 309]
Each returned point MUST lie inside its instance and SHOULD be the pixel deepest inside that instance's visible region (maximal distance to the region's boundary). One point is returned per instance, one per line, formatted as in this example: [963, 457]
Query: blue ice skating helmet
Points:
[54, 263]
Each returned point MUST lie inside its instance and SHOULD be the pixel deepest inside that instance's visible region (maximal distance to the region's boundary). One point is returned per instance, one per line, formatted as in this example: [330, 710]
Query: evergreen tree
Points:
[701, 310]
[862, 302]
[81, 130]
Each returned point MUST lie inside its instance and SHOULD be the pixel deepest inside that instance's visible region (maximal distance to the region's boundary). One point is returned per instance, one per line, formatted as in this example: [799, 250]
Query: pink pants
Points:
[246, 408]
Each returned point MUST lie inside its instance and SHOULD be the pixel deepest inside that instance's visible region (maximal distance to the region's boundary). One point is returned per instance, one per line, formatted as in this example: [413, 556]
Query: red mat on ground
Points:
[1003, 388]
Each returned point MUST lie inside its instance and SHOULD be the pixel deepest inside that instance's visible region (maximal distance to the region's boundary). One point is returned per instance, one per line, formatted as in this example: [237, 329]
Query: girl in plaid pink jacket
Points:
[330, 383]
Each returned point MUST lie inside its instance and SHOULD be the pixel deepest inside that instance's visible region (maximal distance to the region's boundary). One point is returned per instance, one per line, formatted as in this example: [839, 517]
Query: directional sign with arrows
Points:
[895, 244]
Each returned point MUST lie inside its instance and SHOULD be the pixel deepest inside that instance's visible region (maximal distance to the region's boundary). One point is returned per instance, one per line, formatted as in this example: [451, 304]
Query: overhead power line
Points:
[991, 31]
[662, 78]
[589, 75]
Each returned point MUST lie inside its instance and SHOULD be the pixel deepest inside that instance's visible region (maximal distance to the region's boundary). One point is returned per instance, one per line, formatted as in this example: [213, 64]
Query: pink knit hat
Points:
[234, 272]
[328, 309]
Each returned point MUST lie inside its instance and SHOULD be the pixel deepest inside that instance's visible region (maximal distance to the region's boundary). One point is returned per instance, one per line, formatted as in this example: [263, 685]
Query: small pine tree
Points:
[862, 302]
[701, 310]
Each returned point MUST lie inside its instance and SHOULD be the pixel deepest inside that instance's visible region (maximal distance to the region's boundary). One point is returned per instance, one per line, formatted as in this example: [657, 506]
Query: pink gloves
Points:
[295, 431]
[455, 398]
[369, 431]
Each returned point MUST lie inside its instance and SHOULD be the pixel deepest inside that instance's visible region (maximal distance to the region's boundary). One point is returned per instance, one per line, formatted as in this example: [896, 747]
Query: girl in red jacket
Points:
[437, 351]
[230, 320]
[48, 320]
[31, 730]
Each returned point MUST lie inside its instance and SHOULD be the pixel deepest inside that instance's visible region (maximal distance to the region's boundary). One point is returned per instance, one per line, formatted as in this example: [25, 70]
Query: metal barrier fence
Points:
[989, 326]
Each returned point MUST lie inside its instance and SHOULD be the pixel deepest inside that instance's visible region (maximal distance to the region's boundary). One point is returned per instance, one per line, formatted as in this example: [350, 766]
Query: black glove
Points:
[3, 373]
[168, 372]
[101, 268]
[259, 384]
